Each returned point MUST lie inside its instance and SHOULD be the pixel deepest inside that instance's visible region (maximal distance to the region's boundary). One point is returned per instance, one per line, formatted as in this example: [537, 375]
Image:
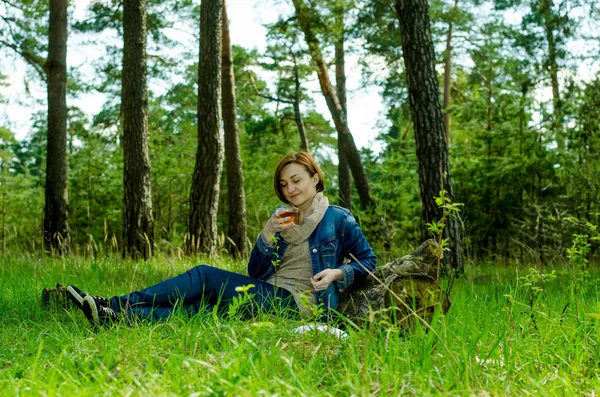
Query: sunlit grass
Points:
[495, 340]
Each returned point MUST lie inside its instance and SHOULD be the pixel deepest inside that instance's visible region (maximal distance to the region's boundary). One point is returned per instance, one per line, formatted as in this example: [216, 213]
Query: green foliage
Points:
[23, 164]
[449, 209]
[533, 290]
[240, 301]
[22, 32]
[579, 253]
[95, 182]
[535, 281]
[582, 161]
[173, 141]
[395, 226]
[251, 108]
[503, 169]
[504, 162]
[314, 311]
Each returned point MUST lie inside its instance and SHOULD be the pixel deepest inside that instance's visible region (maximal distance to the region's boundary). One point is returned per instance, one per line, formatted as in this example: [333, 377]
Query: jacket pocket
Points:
[329, 254]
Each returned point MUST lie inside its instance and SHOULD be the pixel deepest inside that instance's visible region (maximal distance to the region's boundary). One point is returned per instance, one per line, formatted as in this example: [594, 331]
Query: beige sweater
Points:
[295, 270]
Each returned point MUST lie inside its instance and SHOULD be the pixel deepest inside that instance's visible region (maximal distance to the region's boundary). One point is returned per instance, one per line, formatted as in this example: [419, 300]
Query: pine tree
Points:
[138, 227]
[236, 198]
[204, 194]
[432, 149]
[56, 226]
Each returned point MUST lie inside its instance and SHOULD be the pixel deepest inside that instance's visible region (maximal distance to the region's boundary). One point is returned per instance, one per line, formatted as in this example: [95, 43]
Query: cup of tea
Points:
[291, 212]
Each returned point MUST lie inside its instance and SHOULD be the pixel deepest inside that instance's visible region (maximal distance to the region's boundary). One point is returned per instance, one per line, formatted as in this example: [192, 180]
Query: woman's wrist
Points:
[268, 237]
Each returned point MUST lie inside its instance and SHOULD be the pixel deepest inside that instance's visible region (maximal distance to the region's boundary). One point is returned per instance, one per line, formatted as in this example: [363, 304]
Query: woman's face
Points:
[297, 185]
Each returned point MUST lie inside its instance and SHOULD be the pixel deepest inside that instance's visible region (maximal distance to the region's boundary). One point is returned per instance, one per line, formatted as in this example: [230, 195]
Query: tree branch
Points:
[267, 96]
[35, 61]
[12, 5]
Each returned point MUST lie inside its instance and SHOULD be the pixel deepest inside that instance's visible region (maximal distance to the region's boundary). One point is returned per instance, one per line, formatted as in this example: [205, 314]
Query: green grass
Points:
[485, 345]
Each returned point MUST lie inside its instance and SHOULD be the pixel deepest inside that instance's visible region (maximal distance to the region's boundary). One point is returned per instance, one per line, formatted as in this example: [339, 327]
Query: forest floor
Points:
[510, 331]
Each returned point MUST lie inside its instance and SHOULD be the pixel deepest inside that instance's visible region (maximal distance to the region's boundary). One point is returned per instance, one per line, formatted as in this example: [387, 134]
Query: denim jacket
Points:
[334, 239]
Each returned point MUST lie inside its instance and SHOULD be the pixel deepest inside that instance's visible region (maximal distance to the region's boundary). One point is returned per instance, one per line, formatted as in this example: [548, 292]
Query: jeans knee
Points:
[201, 268]
[201, 272]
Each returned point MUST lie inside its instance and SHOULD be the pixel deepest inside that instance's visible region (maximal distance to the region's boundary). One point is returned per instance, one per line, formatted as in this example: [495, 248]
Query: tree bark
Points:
[89, 192]
[236, 226]
[524, 89]
[349, 147]
[56, 210]
[138, 226]
[170, 216]
[344, 175]
[157, 217]
[297, 113]
[432, 149]
[489, 83]
[3, 173]
[204, 194]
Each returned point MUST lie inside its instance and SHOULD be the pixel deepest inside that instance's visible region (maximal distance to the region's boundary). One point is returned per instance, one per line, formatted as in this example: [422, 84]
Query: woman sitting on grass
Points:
[296, 263]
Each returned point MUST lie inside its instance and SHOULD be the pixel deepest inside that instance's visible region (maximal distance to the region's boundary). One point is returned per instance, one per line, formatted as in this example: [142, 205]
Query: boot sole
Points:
[75, 297]
[90, 310]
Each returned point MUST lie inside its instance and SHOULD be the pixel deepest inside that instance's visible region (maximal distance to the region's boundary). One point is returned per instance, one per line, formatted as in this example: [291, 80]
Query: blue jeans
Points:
[201, 289]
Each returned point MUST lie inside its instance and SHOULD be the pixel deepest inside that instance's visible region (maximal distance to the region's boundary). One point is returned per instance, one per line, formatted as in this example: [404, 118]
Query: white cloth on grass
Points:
[303, 329]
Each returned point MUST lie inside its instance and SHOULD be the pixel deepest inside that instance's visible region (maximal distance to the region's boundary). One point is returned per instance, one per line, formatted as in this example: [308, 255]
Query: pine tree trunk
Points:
[170, 216]
[349, 147]
[236, 225]
[448, 79]
[157, 212]
[432, 149]
[344, 175]
[56, 225]
[138, 227]
[89, 192]
[3, 173]
[522, 110]
[489, 82]
[204, 194]
[490, 234]
[297, 113]
[550, 25]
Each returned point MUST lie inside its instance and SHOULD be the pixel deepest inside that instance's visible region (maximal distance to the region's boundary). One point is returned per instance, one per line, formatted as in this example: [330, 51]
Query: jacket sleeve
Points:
[355, 247]
[262, 259]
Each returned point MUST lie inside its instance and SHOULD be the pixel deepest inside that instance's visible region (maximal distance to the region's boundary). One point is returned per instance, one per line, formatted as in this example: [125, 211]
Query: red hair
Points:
[305, 159]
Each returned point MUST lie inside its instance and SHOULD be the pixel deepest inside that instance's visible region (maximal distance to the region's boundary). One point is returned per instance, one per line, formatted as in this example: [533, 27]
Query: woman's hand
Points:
[276, 224]
[321, 280]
